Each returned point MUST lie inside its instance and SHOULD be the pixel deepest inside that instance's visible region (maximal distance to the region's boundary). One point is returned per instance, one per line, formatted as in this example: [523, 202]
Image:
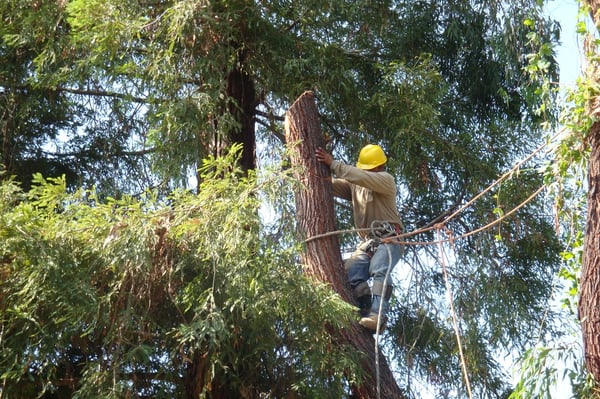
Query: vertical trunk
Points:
[240, 87]
[314, 205]
[198, 380]
[315, 215]
[589, 291]
[241, 97]
[196, 376]
[7, 128]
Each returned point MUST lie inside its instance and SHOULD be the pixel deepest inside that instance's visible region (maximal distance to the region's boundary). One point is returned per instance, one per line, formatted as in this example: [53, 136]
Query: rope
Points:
[473, 232]
[393, 239]
[440, 241]
[379, 314]
[505, 175]
[453, 312]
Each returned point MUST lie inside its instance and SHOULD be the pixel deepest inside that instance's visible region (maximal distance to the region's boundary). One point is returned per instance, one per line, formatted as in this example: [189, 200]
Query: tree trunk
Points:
[589, 285]
[321, 257]
[240, 87]
[241, 104]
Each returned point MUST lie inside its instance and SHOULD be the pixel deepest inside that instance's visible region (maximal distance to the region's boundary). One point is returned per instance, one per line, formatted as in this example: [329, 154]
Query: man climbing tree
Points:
[372, 192]
[321, 257]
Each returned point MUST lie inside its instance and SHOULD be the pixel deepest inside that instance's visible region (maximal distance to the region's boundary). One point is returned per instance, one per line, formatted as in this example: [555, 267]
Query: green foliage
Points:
[382, 73]
[120, 296]
[543, 370]
[33, 112]
[131, 97]
[543, 367]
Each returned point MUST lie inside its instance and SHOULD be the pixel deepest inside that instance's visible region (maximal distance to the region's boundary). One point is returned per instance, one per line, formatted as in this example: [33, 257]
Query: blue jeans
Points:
[361, 267]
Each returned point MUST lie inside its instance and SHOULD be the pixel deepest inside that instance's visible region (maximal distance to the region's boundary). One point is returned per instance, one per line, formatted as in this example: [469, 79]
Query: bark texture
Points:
[240, 87]
[321, 257]
[589, 291]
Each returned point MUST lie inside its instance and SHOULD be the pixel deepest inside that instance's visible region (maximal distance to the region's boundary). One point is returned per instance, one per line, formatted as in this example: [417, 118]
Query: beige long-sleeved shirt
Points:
[373, 194]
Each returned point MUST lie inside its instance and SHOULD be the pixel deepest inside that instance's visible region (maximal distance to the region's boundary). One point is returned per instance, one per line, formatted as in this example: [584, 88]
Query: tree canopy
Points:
[142, 143]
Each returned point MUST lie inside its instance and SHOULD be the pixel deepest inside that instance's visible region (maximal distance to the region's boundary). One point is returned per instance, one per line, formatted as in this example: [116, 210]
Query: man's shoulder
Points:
[386, 175]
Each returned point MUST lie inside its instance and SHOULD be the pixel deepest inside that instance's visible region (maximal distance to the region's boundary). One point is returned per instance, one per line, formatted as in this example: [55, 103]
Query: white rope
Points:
[454, 317]
[379, 313]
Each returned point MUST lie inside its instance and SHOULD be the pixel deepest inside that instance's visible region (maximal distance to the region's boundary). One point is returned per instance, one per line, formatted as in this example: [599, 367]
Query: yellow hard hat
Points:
[371, 156]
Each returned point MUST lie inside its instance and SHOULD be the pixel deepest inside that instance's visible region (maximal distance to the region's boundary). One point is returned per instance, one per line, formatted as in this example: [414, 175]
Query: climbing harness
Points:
[379, 231]
[382, 229]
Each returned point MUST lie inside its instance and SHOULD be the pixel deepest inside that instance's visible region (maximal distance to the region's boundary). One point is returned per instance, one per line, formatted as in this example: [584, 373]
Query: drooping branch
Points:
[82, 92]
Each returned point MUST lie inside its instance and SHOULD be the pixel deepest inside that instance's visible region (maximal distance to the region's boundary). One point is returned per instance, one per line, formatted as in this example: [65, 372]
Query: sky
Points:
[569, 54]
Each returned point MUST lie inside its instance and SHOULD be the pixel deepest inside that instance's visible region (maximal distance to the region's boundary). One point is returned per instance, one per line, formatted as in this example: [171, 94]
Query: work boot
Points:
[370, 321]
[364, 304]
[362, 294]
